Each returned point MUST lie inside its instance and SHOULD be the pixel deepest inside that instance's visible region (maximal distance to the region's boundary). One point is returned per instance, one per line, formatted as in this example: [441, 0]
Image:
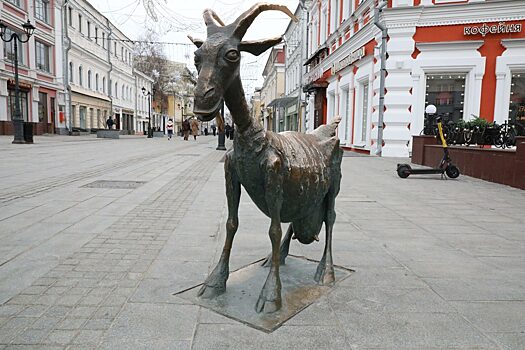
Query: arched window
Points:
[123, 95]
[80, 80]
[116, 90]
[89, 79]
[96, 82]
[104, 84]
[70, 72]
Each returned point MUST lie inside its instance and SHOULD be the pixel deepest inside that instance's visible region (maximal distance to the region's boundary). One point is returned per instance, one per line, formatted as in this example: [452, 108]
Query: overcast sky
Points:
[177, 18]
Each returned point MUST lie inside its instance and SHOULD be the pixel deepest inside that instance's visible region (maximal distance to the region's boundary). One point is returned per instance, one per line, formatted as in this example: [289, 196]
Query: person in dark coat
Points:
[186, 129]
[110, 122]
[214, 129]
[232, 131]
[227, 130]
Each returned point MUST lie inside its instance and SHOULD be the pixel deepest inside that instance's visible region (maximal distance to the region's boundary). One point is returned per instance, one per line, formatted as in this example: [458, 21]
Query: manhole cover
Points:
[112, 184]
[299, 290]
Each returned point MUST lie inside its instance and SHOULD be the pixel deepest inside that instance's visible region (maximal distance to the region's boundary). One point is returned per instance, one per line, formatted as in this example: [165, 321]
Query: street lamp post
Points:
[18, 124]
[148, 93]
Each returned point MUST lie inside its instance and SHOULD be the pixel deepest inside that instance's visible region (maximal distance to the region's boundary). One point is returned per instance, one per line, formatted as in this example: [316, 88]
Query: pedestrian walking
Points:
[194, 128]
[232, 131]
[214, 129]
[227, 130]
[169, 127]
[109, 123]
[186, 129]
[205, 131]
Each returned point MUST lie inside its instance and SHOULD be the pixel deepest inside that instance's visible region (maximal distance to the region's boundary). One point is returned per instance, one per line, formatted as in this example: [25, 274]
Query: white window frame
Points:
[511, 61]
[447, 57]
[44, 49]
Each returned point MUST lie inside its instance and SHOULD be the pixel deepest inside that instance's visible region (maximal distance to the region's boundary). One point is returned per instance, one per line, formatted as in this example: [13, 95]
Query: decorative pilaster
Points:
[398, 97]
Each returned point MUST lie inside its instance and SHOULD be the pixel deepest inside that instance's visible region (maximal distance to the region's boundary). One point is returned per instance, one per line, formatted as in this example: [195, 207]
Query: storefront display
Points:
[447, 93]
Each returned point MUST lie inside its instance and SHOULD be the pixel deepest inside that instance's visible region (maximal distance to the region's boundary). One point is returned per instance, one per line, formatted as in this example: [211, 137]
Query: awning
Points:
[321, 49]
[282, 102]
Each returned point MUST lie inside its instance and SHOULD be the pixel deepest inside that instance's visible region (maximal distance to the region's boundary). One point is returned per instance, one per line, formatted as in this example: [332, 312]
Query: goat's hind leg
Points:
[215, 284]
[325, 270]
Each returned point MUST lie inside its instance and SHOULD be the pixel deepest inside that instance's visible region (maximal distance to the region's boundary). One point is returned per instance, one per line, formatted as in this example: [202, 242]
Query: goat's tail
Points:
[328, 130]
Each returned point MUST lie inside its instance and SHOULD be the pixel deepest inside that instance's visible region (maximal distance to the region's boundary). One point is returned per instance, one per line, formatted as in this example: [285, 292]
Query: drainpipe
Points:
[110, 95]
[304, 28]
[384, 36]
[66, 43]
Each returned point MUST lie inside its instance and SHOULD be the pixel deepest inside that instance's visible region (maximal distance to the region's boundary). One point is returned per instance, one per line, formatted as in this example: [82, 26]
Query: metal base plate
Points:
[299, 290]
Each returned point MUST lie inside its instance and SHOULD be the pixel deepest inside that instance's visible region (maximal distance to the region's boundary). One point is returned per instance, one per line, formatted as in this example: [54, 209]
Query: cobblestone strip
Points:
[76, 302]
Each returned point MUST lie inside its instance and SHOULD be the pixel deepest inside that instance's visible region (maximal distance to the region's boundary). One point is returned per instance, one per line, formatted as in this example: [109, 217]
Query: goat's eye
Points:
[232, 55]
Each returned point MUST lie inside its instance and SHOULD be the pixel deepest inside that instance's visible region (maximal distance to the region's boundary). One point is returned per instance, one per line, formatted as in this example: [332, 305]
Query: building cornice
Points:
[450, 45]
[513, 43]
[452, 14]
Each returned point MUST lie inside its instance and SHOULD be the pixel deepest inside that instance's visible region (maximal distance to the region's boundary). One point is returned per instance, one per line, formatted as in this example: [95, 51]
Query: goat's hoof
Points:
[268, 306]
[325, 275]
[267, 262]
[211, 291]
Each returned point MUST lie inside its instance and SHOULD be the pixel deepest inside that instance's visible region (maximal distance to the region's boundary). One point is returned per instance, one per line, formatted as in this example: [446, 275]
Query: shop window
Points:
[9, 48]
[447, 93]
[42, 107]
[42, 57]
[364, 113]
[517, 99]
[346, 110]
[42, 10]
[23, 104]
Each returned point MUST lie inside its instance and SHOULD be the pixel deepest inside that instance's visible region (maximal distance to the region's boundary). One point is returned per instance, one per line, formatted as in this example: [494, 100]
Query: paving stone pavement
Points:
[438, 264]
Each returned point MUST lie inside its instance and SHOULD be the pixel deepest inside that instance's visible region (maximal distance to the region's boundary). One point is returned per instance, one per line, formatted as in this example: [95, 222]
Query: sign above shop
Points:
[484, 29]
[348, 60]
[22, 85]
[313, 75]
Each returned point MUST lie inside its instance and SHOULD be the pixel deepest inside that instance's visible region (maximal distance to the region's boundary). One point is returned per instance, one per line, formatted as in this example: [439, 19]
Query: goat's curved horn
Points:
[243, 22]
[211, 18]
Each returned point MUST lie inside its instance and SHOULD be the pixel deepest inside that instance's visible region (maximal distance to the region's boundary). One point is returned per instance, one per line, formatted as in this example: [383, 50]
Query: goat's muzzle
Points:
[206, 115]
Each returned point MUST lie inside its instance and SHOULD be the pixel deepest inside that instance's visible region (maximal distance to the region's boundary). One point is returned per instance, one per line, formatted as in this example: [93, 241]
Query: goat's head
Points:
[218, 58]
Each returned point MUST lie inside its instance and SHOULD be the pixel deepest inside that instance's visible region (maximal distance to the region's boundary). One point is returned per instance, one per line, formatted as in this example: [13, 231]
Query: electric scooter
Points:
[445, 166]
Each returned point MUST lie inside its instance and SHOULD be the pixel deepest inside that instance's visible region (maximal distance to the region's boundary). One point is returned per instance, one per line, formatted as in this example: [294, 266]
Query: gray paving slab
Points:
[437, 265]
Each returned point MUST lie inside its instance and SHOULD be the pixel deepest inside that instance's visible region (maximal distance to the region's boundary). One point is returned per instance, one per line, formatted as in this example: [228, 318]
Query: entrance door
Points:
[53, 115]
[82, 113]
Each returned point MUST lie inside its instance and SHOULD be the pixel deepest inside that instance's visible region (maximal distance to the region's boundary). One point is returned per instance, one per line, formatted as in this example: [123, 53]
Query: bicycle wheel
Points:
[511, 138]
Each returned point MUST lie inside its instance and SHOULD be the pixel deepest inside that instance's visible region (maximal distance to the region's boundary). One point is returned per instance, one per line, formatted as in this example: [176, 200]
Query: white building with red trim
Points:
[466, 57]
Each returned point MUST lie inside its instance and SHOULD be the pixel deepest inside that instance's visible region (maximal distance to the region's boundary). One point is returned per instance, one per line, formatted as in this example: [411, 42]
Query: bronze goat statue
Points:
[290, 176]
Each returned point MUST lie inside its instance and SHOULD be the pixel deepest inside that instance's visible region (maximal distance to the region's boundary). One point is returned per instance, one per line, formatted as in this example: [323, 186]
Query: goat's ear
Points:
[197, 42]
[259, 46]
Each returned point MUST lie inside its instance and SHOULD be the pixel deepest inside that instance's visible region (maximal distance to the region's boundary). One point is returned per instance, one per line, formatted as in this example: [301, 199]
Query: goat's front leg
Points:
[284, 250]
[270, 297]
[215, 284]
